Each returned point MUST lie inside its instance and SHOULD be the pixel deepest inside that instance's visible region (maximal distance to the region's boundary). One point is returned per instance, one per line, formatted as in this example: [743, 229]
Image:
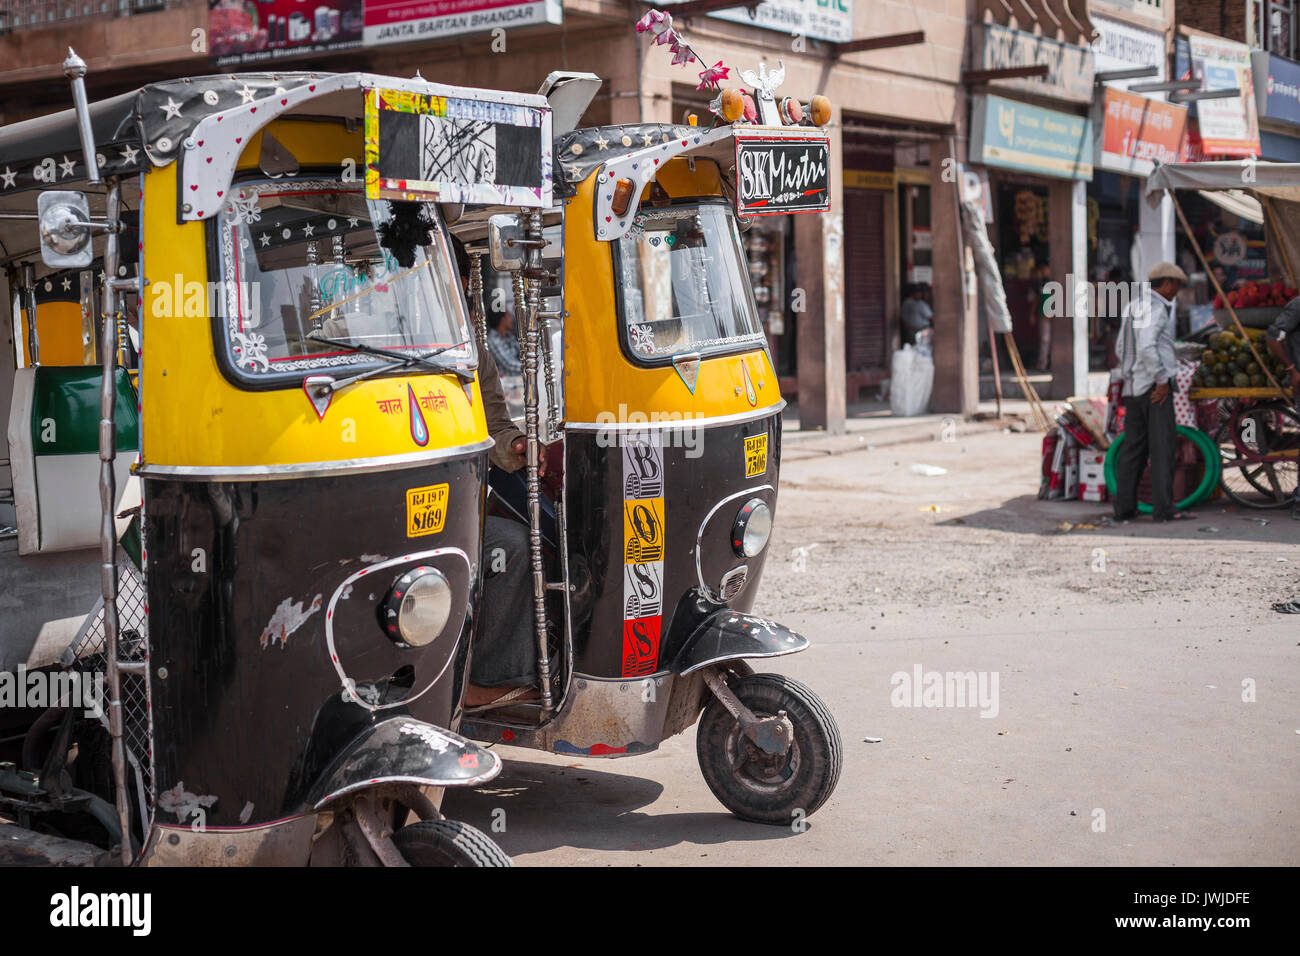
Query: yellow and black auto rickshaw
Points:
[648, 377]
[246, 454]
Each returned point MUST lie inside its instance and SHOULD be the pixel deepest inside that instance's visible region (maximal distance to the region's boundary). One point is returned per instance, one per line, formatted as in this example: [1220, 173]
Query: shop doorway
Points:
[866, 346]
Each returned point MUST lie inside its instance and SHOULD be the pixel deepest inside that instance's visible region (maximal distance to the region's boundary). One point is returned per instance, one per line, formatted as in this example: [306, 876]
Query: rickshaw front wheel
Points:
[447, 843]
[761, 787]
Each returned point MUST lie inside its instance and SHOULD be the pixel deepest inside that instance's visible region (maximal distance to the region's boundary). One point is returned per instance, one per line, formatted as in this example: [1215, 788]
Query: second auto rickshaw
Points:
[648, 374]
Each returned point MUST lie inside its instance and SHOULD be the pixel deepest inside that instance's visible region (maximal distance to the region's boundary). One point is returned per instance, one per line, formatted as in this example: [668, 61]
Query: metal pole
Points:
[108, 503]
[74, 68]
[478, 312]
[29, 302]
[532, 222]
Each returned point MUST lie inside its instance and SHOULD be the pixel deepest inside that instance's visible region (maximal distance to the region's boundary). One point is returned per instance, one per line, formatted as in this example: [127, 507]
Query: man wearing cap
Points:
[1150, 369]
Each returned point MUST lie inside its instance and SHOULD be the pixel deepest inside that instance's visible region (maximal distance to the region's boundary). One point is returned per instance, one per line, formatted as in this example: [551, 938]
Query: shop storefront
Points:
[1126, 236]
[1039, 161]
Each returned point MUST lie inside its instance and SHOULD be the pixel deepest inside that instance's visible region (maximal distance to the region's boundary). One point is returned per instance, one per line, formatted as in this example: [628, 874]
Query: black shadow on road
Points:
[1027, 514]
[547, 806]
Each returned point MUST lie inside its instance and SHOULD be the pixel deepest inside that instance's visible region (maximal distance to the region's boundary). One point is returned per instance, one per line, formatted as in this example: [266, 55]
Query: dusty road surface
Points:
[1146, 708]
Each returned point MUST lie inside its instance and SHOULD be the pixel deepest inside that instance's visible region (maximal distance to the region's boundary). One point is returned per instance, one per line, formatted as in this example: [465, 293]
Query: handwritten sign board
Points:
[776, 175]
[452, 149]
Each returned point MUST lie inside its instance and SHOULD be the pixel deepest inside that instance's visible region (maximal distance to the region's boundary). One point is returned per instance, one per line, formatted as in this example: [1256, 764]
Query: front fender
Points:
[728, 635]
[404, 750]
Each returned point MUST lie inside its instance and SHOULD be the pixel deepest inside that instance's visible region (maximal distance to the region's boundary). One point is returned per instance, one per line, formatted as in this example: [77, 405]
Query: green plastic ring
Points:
[1213, 468]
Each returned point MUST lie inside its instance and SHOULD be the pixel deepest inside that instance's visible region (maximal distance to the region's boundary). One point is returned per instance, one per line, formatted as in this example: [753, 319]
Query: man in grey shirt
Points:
[1150, 369]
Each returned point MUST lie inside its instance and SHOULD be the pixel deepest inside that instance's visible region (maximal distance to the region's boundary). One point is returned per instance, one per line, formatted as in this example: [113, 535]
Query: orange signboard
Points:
[1137, 131]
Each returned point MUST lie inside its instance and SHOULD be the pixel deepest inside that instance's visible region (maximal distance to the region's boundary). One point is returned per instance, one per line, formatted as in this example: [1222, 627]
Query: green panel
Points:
[65, 411]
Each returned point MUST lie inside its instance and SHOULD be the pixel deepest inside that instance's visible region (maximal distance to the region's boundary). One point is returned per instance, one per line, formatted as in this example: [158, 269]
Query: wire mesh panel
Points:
[87, 653]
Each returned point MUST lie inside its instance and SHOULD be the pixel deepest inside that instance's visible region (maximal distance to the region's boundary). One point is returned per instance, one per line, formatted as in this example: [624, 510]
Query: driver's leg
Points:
[504, 654]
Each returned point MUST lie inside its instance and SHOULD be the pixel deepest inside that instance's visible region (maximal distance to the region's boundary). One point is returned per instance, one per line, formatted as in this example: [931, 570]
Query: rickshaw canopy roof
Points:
[149, 124]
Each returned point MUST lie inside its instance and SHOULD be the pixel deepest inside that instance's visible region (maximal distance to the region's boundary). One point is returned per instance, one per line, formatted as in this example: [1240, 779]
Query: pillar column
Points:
[956, 316]
[1067, 215]
[819, 287]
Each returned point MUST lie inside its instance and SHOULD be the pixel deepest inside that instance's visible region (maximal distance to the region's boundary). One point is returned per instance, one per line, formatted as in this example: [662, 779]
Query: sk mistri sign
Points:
[782, 175]
[451, 149]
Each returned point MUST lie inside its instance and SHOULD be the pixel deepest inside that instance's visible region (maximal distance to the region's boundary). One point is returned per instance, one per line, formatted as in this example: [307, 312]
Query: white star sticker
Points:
[67, 283]
[352, 221]
[647, 139]
[7, 178]
[171, 108]
[266, 239]
[67, 166]
[602, 142]
[129, 153]
[247, 94]
[308, 229]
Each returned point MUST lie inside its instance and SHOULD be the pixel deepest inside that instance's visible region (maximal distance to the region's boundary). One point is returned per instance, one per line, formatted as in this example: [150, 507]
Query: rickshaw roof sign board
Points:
[207, 121]
[478, 151]
[776, 175]
[635, 151]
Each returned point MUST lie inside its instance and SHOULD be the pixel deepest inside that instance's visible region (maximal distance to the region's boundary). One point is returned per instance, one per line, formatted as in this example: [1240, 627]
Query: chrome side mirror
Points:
[505, 243]
[64, 224]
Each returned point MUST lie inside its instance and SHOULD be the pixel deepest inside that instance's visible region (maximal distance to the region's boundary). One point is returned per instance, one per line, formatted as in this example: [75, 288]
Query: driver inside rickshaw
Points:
[503, 669]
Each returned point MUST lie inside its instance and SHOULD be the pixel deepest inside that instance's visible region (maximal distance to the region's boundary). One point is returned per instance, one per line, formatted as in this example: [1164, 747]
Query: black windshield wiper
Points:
[404, 361]
[398, 361]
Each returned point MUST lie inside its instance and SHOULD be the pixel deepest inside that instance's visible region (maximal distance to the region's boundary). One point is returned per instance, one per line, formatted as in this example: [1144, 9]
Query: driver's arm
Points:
[499, 423]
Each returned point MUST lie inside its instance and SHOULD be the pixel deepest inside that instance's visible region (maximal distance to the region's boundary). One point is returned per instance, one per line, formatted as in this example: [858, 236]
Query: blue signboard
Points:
[1015, 135]
[1277, 87]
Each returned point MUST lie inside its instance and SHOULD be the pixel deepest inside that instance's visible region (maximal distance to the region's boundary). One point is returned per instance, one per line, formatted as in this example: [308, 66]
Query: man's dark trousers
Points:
[1149, 432]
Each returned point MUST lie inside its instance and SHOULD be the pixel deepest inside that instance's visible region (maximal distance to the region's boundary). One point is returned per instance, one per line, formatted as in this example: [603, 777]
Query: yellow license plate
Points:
[756, 455]
[426, 509]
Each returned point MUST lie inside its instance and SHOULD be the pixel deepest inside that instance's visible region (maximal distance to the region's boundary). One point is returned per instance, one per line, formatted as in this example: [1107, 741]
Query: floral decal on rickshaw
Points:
[643, 339]
[249, 350]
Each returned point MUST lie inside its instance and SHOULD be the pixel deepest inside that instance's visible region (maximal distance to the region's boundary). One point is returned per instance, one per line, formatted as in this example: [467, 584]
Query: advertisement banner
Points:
[1228, 127]
[1277, 87]
[1069, 68]
[817, 19]
[1138, 132]
[1015, 135]
[244, 33]
[403, 21]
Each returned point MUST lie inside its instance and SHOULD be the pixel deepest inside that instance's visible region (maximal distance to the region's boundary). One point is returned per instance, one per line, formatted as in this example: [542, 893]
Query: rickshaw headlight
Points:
[752, 528]
[417, 608]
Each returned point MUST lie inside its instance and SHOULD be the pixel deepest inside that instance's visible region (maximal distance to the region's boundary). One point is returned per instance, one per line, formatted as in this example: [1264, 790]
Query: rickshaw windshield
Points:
[304, 261]
[684, 284]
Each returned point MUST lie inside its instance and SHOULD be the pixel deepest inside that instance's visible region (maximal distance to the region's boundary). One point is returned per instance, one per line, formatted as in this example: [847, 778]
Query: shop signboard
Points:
[1015, 135]
[243, 33]
[1277, 87]
[815, 19]
[404, 21]
[1229, 126]
[1070, 68]
[1137, 132]
[781, 175]
[1121, 46]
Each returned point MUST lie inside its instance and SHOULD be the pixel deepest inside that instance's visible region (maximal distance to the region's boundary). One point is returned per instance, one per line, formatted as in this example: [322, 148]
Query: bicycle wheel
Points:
[1260, 448]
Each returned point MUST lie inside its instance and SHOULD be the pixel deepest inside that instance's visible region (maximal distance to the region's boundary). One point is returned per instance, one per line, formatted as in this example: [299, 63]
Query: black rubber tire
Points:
[448, 843]
[806, 777]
